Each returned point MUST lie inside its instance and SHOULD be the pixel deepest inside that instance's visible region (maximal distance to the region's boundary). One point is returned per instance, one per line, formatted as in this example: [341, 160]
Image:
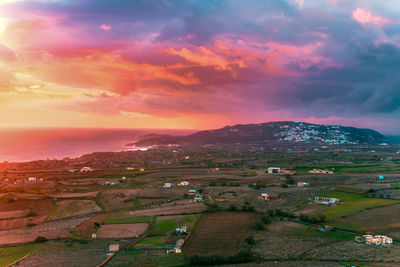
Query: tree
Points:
[250, 240]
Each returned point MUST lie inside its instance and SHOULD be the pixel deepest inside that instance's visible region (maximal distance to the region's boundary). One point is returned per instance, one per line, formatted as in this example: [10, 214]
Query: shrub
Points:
[271, 213]
[40, 239]
[265, 219]
[232, 208]
[259, 226]
[250, 240]
[31, 213]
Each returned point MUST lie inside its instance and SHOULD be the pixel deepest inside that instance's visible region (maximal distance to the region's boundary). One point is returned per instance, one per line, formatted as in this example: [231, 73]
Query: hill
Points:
[281, 132]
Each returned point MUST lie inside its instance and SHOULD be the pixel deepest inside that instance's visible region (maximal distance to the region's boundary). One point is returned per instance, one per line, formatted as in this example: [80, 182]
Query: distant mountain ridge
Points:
[281, 131]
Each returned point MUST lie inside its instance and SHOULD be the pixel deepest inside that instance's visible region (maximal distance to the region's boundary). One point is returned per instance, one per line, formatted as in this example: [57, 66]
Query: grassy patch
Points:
[353, 203]
[166, 226]
[312, 232]
[396, 186]
[155, 241]
[124, 217]
[10, 254]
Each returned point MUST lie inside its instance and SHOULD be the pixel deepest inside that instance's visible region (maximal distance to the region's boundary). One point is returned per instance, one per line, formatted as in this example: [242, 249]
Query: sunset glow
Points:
[198, 64]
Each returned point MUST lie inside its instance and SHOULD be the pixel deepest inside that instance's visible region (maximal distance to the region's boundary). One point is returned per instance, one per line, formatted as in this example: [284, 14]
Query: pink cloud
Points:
[366, 17]
[105, 27]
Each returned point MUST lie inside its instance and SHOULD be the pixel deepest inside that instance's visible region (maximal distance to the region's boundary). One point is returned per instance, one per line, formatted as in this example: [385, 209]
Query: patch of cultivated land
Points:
[378, 219]
[55, 225]
[170, 210]
[220, 233]
[78, 259]
[75, 195]
[118, 198]
[88, 227]
[70, 208]
[122, 230]
[293, 241]
[30, 237]
[353, 203]
[40, 209]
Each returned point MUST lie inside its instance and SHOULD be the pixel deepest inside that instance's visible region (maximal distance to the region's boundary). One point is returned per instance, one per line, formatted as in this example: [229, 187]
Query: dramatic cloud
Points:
[199, 64]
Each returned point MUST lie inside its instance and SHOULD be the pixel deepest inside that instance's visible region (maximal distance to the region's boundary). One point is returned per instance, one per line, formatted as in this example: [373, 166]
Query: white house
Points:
[265, 196]
[274, 170]
[167, 185]
[192, 192]
[86, 169]
[303, 184]
[113, 247]
[377, 240]
[326, 200]
[32, 179]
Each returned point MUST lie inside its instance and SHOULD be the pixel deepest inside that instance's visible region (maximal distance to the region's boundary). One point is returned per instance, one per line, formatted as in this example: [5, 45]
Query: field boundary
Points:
[21, 259]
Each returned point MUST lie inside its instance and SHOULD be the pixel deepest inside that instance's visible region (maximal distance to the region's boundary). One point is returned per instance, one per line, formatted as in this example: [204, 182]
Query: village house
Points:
[265, 196]
[378, 240]
[86, 169]
[32, 179]
[198, 198]
[192, 192]
[181, 230]
[167, 185]
[183, 183]
[326, 200]
[113, 247]
[303, 184]
[273, 170]
[320, 171]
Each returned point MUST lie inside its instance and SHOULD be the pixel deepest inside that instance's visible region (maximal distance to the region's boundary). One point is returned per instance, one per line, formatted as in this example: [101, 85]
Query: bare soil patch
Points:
[70, 208]
[30, 237]
[86, 228]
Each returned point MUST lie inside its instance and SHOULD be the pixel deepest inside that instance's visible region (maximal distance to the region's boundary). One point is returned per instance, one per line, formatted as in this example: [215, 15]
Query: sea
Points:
[18, 145]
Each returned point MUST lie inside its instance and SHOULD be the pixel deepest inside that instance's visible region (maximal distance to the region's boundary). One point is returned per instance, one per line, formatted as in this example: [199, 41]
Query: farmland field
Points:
[70, 208]
[178, 209]
[40, 209]
[220, 233]
[170, 223]
[121, 230]
[389, 218]
[353, 203]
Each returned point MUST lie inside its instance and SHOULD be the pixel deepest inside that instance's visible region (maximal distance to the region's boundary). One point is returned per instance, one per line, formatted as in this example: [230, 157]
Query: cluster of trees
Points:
[312, 219]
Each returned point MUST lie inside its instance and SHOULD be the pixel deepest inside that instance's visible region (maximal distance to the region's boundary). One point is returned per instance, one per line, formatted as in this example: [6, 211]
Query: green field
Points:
[124, 217]
[312, 232]
[166, 226]
[10, 254]
[170, 224]
[396, 186]
[353, 203]
[154, 241]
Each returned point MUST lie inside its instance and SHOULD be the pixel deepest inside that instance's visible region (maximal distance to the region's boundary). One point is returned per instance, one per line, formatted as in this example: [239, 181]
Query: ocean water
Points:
[18, 145]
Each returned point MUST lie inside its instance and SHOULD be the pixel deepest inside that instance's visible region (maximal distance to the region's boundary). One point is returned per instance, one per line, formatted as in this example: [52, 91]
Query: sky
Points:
[199, 64]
